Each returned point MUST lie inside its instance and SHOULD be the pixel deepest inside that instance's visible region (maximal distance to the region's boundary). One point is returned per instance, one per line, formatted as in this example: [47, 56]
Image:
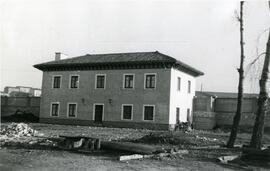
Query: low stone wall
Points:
[224, 110]
[9, 105]
[204, 120]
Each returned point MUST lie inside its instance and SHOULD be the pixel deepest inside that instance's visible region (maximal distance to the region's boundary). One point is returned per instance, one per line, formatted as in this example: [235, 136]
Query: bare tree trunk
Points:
[237, 116]
[258, 129]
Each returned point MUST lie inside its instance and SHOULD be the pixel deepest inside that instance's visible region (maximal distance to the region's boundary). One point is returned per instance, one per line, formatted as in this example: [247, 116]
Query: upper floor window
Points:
[189, 86]
[100, 81]
[127, 111]
[128, 80]
[72, 110]
[74, 81]
[55, 108]
[178, 83]
[150, 81]
[56, 81]
[148, 112]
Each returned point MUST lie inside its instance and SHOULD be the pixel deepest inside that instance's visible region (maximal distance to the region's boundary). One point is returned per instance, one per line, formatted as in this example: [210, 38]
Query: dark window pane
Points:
[100, 81]
[150, 81]
[127, 112]
[149, 113]
[55, 108]
[177, 114]
[56, 82]
[74, 82]
[128, 81]
[189, 86]
[72, 110]
[178, 83]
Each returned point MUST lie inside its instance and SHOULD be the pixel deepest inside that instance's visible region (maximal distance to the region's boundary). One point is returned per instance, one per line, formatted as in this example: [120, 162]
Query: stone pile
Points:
[18, 130]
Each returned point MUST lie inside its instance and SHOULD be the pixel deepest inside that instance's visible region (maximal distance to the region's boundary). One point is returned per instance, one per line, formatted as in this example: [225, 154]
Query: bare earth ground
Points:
[31, 158]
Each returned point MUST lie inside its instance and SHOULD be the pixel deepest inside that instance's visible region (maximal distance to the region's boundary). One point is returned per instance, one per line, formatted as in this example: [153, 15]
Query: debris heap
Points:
[18, 130]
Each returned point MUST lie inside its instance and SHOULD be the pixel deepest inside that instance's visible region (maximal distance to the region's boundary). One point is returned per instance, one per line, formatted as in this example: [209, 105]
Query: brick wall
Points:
[9, 105]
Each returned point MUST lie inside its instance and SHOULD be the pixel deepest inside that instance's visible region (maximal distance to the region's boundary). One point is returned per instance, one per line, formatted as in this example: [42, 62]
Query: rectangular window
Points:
[74, 81]
[100, 81]
[148, 112]
[150, 81]
[177, 114]
[56, 81]
[128, 81]
[127, 111]
[188, 116]
[72, 110]
[178, 83]
[55, 109]
[189, 86]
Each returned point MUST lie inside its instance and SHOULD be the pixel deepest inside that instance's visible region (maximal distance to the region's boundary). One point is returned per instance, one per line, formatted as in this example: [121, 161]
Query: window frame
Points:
[124, 81]
[145, 76]
[70, 76]
[104, 81]
[189, 86]
[58, 109]
[76, 109]
[154, 112]
[122, 112]
[53, 81]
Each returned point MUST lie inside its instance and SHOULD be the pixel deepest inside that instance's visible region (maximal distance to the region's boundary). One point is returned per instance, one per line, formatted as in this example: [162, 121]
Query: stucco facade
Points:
[164, 97]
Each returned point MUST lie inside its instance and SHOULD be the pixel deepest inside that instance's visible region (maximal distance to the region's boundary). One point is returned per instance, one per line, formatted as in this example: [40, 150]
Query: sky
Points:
[203, 34]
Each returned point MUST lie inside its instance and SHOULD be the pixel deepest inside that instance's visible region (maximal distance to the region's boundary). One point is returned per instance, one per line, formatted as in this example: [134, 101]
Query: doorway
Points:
[98, 111]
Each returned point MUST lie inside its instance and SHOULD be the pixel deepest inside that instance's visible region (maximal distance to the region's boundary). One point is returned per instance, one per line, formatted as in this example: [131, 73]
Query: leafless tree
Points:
[237, 116]
[258, 129]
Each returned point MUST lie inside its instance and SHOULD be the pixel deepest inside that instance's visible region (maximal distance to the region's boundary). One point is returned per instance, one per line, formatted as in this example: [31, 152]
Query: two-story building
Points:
[138, 90]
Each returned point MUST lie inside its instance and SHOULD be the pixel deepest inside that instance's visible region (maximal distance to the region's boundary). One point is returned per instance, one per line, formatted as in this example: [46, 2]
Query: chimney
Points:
[59, 56]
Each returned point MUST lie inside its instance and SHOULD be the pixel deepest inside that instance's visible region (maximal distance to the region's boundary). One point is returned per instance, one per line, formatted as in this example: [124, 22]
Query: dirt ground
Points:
[20, 157]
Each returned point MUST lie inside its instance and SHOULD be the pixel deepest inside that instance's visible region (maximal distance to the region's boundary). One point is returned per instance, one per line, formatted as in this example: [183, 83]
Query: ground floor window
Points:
[72, 110]
[148, 112]
[189, 119]
[127, 111]
[177, 115]
[55, 108]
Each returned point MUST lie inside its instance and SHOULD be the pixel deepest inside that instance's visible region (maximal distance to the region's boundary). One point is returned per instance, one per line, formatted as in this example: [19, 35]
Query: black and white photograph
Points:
[139, 85]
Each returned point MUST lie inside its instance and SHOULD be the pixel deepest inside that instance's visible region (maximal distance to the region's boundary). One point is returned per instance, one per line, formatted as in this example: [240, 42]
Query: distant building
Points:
[3, 93]
[9, 89]
[223, 94]
[37, 92]
[139, 90]
[22, 91]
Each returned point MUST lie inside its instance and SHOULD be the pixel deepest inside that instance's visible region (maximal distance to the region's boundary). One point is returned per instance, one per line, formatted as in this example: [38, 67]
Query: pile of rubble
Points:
[18, 130]
[16, 134]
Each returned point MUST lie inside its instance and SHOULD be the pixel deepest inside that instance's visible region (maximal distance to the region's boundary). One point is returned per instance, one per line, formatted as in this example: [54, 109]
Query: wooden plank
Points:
[130, 157]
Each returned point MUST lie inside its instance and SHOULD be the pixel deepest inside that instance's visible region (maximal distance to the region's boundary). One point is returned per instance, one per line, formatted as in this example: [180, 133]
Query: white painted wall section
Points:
[182, 98]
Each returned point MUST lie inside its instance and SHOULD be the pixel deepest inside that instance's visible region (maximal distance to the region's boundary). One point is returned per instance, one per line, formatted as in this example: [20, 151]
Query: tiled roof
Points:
[120, 58]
